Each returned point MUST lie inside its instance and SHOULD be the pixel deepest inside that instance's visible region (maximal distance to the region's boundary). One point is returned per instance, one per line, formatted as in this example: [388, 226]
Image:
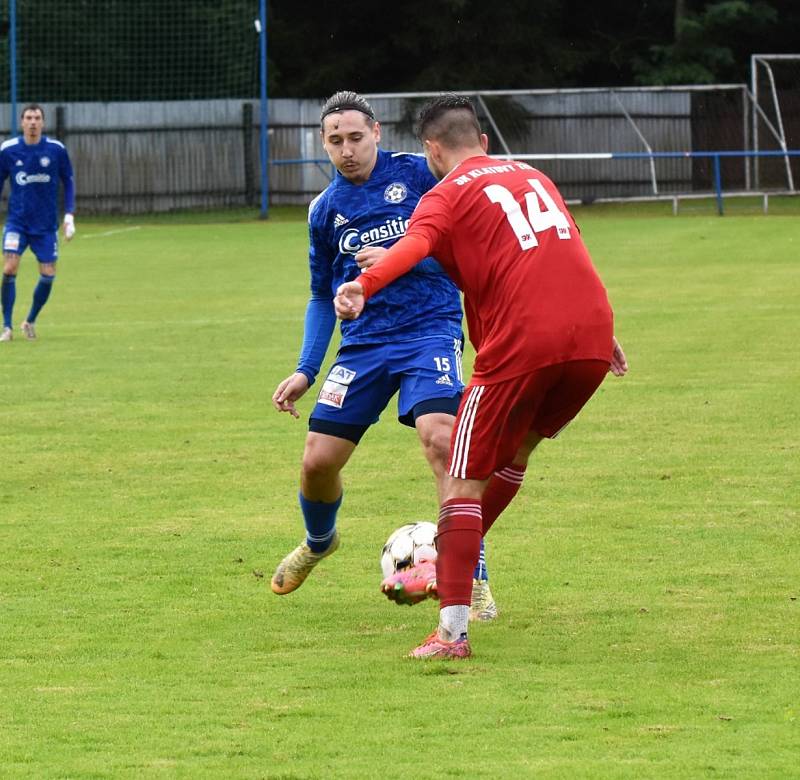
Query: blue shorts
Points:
[43, 245]
[362, 381]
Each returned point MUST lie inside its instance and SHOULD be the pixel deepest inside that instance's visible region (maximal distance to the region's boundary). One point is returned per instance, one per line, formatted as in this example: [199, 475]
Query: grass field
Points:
[648, 575]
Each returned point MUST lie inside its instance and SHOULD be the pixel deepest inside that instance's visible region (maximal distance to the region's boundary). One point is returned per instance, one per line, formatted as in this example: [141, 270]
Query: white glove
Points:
[69, 226]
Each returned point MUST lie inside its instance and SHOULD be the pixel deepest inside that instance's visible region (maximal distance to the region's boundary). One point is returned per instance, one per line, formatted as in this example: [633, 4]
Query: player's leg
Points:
[350, 400]
[47, 275]
[430, 394]
[320, 497]
[435, 432]
[495, 424]
[486, 434]
[324, 458]
[46, 250]
[434, 429]
[8, 287]
[506, 482]
[429, 376]
[557, 398]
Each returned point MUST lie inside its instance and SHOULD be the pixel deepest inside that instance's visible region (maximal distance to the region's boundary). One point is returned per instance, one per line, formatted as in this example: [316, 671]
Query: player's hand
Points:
[349, 301]
[288, 391]
[366, 258]
[69, 226]
[619, 364]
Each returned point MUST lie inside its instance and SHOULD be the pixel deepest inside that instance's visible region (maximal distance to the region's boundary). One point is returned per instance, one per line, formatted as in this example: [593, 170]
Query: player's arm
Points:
[68, 181]
[320, 321]
[398, 260]
[319, 324]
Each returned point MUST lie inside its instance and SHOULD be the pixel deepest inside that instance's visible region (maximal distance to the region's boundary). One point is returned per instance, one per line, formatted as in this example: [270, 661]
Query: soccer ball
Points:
[408, 545]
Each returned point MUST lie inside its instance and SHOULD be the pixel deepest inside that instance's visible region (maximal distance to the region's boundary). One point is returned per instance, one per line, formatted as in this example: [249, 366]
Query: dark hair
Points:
[347, 101]
[31, 107]
[449, 119]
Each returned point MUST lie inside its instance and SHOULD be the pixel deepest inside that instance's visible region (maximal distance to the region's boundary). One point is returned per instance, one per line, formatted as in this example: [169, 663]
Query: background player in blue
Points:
[408, 340]
[34, 164]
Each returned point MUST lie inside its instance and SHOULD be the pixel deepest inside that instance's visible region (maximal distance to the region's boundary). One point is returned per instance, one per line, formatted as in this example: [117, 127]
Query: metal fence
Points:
[142, 157]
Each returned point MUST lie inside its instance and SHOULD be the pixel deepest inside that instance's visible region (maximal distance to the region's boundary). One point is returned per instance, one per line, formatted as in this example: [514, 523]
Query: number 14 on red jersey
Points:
[538, 219]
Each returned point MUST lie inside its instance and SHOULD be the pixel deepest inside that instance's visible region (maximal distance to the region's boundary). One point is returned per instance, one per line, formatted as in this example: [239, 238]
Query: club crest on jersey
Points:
[395, 193]
[45, 161]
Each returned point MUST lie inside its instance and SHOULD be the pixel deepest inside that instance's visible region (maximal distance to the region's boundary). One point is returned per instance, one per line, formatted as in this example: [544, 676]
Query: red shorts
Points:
[493, 420]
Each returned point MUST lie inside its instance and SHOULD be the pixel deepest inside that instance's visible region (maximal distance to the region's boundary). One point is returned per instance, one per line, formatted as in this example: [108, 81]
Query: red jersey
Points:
[531, 294]
[532, 297]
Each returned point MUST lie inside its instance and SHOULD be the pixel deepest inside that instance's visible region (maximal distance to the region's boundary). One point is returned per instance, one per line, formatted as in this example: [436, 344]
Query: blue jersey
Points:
[347, 217]
[35, 171]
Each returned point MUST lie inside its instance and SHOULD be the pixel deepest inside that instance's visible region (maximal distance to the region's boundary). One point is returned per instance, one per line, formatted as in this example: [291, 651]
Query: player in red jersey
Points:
[539, 319]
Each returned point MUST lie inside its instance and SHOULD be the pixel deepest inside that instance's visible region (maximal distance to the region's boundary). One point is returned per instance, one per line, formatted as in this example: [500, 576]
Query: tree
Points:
[706, 43]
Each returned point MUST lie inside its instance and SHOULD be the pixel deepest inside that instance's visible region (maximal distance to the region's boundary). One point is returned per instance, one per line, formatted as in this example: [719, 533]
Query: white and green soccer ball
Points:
[408, 545]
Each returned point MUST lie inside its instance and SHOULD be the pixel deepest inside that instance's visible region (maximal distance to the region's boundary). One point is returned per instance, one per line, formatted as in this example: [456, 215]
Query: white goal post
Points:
[768, 96]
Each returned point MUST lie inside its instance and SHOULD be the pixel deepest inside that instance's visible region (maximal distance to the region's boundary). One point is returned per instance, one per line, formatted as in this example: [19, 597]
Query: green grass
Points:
[647, 575]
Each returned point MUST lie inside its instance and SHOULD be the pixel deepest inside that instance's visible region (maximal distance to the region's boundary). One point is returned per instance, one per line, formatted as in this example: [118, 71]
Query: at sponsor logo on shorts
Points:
[335, 388]
[341, 374]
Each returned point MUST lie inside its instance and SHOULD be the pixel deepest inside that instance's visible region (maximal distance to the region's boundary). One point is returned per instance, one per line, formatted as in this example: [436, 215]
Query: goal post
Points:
[775, 116]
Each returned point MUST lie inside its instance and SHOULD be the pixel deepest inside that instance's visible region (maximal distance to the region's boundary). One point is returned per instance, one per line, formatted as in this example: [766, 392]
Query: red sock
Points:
[458, 543]
[502, 487]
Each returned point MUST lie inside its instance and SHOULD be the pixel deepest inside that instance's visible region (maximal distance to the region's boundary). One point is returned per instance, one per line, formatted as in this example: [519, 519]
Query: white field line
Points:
[112, 232]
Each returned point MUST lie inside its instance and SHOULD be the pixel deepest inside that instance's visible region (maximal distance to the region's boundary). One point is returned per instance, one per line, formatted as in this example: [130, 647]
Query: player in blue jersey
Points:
[35, 164]
[408, 341]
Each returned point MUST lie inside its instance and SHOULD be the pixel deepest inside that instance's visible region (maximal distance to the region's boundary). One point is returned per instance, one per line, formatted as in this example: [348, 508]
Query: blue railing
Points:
[715, 156]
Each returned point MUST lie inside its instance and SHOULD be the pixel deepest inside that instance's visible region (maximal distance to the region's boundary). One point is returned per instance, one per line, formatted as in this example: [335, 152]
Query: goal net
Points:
[107, 50]
[156, 101]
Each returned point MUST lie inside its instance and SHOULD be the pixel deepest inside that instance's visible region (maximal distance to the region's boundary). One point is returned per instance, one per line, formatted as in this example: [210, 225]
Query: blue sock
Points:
[320, 520]
[40, 295]
[481, 572]
[8, 294]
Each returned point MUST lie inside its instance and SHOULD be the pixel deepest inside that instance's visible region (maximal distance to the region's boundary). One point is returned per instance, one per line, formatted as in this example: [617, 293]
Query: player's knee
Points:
[323, 461]
[318, 468]
[436, 443]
